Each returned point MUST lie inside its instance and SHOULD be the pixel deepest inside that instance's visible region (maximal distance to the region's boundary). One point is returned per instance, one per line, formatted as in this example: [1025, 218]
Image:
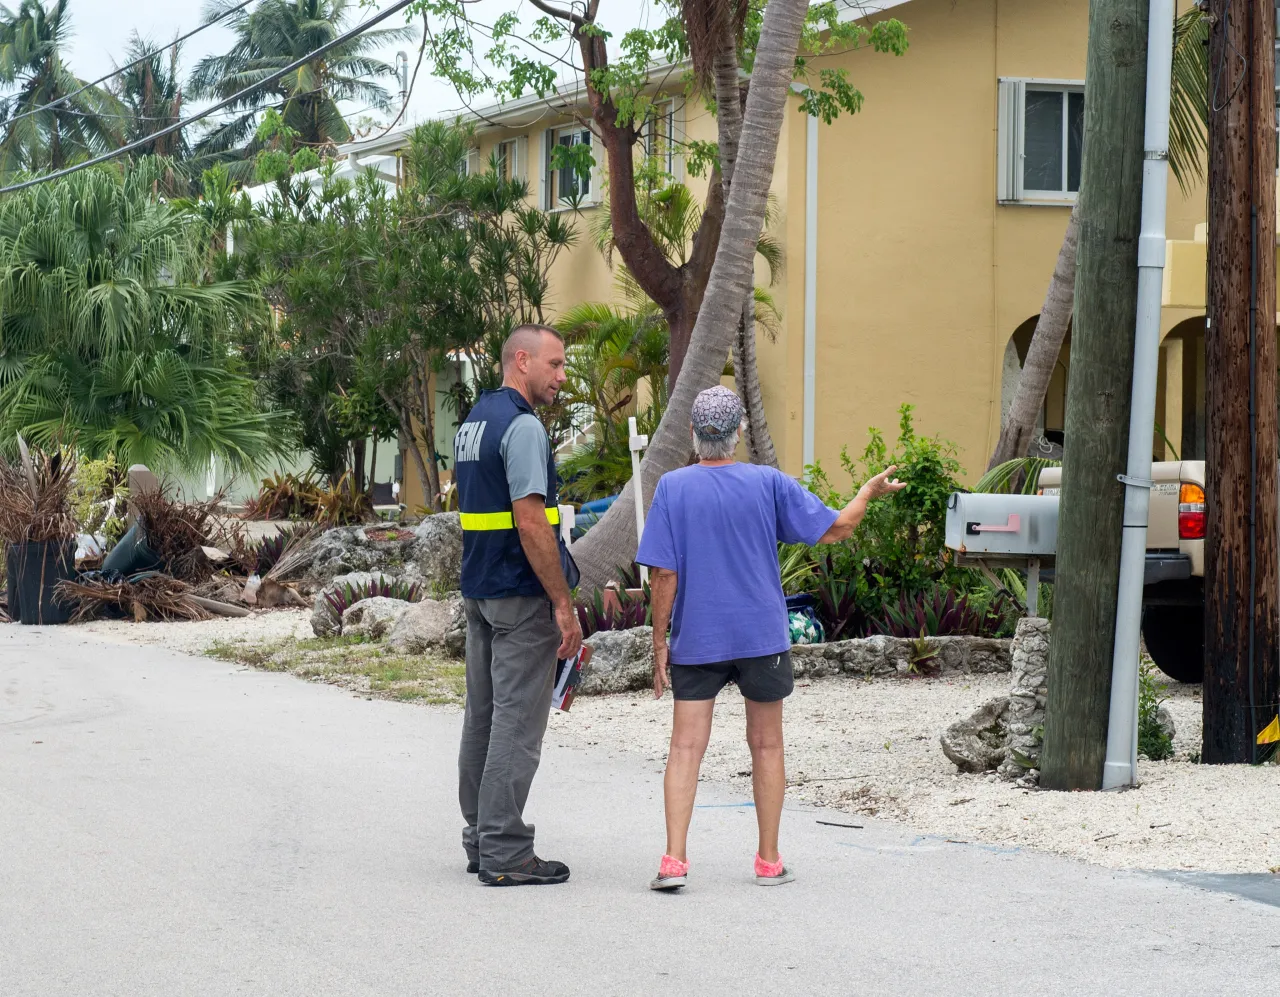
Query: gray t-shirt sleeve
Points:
[525, 451]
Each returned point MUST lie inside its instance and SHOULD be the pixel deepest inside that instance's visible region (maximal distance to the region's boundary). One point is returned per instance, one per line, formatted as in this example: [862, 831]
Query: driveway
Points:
[176, 826]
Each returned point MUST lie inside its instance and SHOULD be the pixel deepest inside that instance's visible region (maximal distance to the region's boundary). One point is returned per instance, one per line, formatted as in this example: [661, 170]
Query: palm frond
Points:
[1020, 476]
[1188, 98]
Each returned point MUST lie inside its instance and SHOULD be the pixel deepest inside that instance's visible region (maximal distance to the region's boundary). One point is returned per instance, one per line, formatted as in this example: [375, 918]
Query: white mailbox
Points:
[992, 527]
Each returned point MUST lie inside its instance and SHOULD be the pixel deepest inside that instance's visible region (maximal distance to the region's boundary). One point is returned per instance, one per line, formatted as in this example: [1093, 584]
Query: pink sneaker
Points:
[672, 874]
[772, 873]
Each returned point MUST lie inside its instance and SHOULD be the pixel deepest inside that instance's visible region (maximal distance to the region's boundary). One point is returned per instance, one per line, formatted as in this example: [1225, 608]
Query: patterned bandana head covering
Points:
[717, 413]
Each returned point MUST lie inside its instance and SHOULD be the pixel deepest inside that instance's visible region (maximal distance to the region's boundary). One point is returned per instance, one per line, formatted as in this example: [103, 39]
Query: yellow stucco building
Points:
[920, 234]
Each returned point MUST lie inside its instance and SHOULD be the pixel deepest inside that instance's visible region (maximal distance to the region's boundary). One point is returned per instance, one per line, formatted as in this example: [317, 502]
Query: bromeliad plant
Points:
[941, 612]
[632, 611]
[348, 594]
[593, 616]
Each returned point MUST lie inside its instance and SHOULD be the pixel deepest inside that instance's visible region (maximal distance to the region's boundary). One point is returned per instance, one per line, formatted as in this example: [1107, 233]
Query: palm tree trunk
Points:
[1042, 355]
[745, 371]
[612, 542]
[747, 375]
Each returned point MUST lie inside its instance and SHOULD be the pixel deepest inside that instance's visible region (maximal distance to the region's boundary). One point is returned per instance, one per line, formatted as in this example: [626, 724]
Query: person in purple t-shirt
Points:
[712, 539]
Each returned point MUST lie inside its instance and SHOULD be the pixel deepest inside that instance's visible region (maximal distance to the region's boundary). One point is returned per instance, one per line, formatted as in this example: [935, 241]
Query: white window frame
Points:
[662, 111]
[1011, 141]
[515, 150]
[551, 201]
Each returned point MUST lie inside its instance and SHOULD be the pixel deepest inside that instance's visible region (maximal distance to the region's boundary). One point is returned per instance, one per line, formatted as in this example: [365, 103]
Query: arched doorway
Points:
[1053, 412]
[1180, 410]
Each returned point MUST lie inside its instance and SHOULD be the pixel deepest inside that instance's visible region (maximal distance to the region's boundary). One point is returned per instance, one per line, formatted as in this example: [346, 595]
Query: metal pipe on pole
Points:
[1121, 765]
[810, 360]
[637, 443]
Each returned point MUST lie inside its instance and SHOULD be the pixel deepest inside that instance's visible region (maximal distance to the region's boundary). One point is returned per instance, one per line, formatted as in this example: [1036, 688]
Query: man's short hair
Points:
[525, 337]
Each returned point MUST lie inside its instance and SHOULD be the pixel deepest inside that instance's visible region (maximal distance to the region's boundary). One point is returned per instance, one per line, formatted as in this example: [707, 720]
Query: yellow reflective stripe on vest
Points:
[499, 520]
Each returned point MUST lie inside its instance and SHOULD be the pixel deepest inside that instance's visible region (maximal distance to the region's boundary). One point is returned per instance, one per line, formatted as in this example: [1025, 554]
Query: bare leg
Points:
[768, 773]
[690, 731]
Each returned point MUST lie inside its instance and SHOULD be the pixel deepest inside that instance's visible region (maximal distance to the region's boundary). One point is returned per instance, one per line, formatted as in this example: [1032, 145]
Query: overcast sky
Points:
[102, 29]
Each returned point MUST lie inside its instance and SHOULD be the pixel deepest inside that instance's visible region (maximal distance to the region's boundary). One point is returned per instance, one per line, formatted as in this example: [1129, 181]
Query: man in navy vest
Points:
[520, 618]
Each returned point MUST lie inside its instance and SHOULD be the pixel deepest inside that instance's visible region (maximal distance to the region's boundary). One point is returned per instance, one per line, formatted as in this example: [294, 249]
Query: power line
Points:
[277, 74]
[141, 59]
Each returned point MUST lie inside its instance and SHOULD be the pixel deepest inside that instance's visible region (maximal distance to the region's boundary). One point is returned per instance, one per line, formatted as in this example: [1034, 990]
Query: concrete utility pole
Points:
[1097, 424]
[1240, 578]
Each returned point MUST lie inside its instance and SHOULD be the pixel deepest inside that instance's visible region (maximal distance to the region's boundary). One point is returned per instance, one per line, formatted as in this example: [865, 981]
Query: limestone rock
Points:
[1165, 719]
[1027, 694]
[878, 656]
[427, 626]
[324, 621]
[373, 617]
[430, 553]
[621, 661]
[436, 557]
[976, 743]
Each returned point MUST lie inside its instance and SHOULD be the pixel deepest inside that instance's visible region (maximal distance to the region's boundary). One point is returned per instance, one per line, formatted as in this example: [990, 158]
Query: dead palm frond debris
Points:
[35, 492]
[146, 596]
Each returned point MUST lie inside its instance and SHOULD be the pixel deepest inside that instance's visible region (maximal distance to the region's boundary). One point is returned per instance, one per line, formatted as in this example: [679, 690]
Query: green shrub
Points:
[898, 550]
[1154, 741]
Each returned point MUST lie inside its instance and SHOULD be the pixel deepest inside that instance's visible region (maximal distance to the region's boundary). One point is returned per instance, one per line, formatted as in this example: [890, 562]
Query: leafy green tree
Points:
[310, 251]
[220, 210]
[272, 35]
[380, 290]
[109, 335]
[462, 260]
[32, 69]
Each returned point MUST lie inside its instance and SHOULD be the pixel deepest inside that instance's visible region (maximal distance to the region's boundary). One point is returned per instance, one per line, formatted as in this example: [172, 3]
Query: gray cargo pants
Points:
[511, 667]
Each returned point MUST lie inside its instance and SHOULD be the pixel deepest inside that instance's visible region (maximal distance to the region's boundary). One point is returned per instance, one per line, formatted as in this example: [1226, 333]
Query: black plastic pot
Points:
[11, 581]
[34, 571]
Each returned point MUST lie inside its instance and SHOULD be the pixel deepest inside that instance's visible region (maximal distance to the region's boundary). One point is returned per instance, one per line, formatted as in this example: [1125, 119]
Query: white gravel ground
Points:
[871, 748]
[197, 636]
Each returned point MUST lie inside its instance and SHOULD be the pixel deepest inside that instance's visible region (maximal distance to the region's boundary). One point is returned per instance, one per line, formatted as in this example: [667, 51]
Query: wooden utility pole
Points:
[1097, 423]
[1240, 578]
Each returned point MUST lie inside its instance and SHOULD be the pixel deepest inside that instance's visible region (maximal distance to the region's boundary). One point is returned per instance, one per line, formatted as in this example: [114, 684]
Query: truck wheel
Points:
[1175, 640]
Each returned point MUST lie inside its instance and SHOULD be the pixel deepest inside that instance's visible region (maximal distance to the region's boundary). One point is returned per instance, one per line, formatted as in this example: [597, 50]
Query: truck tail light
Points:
[1191, 512]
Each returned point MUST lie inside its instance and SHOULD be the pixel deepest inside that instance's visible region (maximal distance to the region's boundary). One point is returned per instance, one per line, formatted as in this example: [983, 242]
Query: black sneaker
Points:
[534, 872]
[473, 867]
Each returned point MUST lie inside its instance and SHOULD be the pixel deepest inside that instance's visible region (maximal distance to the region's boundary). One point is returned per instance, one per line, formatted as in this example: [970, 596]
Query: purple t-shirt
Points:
[718, 528]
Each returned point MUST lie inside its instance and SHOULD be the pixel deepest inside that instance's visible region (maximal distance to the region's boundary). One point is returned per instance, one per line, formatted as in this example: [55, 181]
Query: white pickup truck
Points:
[1173, 592]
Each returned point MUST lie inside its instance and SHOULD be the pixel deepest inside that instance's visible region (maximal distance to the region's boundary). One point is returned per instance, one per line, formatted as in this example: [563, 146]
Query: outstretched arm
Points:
[851, 515]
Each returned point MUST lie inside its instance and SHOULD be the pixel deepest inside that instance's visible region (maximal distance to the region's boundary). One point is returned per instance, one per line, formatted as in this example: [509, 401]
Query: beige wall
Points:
[922, 275]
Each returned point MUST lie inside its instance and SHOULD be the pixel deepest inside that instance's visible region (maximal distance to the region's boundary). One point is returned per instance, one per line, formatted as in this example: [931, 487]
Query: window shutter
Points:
[548, 187]
[520, 166]
[597, 153]
[473, 162]
[1012, 96]
[677, 137]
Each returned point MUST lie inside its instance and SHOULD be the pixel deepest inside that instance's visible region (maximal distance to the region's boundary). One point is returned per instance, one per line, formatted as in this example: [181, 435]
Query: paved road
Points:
[174, 826]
